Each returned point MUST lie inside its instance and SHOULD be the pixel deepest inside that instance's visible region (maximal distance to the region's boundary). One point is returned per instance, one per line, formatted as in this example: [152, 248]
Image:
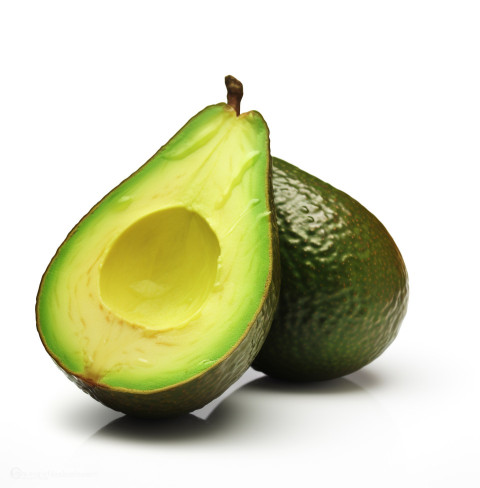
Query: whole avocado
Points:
[344, 289]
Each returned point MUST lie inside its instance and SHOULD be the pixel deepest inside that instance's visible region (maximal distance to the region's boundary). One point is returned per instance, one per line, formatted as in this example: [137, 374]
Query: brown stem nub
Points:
[234, 92]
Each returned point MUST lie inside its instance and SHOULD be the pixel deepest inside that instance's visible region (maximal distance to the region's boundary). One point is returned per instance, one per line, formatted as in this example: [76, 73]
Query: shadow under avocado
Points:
[336, 386]
[366, 378]
[132, 429]
[352, 383]
[239, 414]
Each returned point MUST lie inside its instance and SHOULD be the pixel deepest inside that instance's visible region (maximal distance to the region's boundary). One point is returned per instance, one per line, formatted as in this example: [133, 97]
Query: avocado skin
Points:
[344, 287]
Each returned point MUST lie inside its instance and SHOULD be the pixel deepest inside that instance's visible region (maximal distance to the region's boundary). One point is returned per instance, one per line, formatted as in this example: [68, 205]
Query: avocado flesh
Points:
[171, 273]
[344, 287]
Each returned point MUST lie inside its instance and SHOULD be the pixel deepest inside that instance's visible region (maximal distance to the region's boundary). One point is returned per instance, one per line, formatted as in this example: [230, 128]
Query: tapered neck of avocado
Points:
[234, 92]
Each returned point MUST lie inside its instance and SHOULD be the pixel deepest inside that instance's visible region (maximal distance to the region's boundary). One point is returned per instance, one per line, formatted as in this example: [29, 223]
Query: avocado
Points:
[161, 296]
[344, 283]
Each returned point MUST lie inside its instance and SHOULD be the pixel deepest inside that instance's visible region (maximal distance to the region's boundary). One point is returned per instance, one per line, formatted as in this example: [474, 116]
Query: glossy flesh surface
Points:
[344, 283]
[168, 276]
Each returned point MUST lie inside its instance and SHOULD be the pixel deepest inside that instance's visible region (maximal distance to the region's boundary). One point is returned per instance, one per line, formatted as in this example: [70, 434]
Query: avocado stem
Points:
[234, 92]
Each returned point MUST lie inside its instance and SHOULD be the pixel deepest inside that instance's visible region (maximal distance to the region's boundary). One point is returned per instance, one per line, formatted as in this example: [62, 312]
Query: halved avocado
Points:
[162, 295]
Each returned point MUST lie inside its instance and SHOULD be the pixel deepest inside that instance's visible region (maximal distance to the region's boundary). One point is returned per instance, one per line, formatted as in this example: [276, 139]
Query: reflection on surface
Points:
[266, 411]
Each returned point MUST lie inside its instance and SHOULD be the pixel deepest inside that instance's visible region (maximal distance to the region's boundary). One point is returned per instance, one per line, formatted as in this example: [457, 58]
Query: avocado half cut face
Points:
[162, 295]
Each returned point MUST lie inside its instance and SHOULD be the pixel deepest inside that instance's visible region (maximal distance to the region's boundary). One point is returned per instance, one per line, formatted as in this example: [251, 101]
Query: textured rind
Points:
[205, 387]
[344, 283]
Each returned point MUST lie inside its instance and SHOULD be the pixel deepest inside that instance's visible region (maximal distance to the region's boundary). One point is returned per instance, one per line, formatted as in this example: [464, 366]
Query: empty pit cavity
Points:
[161, 269]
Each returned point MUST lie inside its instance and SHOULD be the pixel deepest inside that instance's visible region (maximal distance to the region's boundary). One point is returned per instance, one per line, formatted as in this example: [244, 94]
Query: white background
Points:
[379, 98]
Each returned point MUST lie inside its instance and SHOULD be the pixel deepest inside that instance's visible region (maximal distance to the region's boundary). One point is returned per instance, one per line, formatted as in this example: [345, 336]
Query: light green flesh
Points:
[162, 278]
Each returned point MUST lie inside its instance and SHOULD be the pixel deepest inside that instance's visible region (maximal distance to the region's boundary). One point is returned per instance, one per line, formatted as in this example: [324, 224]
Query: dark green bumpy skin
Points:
[344, 287]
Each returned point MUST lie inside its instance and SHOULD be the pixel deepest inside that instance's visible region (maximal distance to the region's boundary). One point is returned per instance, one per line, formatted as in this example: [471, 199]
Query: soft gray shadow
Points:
[367, 378]
[266, 406]
[176, 429]
[336, 386]
[263, 403]
[271, 412]
[265, 392]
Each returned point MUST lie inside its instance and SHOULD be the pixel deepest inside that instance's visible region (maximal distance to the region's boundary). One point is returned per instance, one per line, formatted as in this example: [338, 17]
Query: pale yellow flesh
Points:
[163, 282]
[160, 270]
